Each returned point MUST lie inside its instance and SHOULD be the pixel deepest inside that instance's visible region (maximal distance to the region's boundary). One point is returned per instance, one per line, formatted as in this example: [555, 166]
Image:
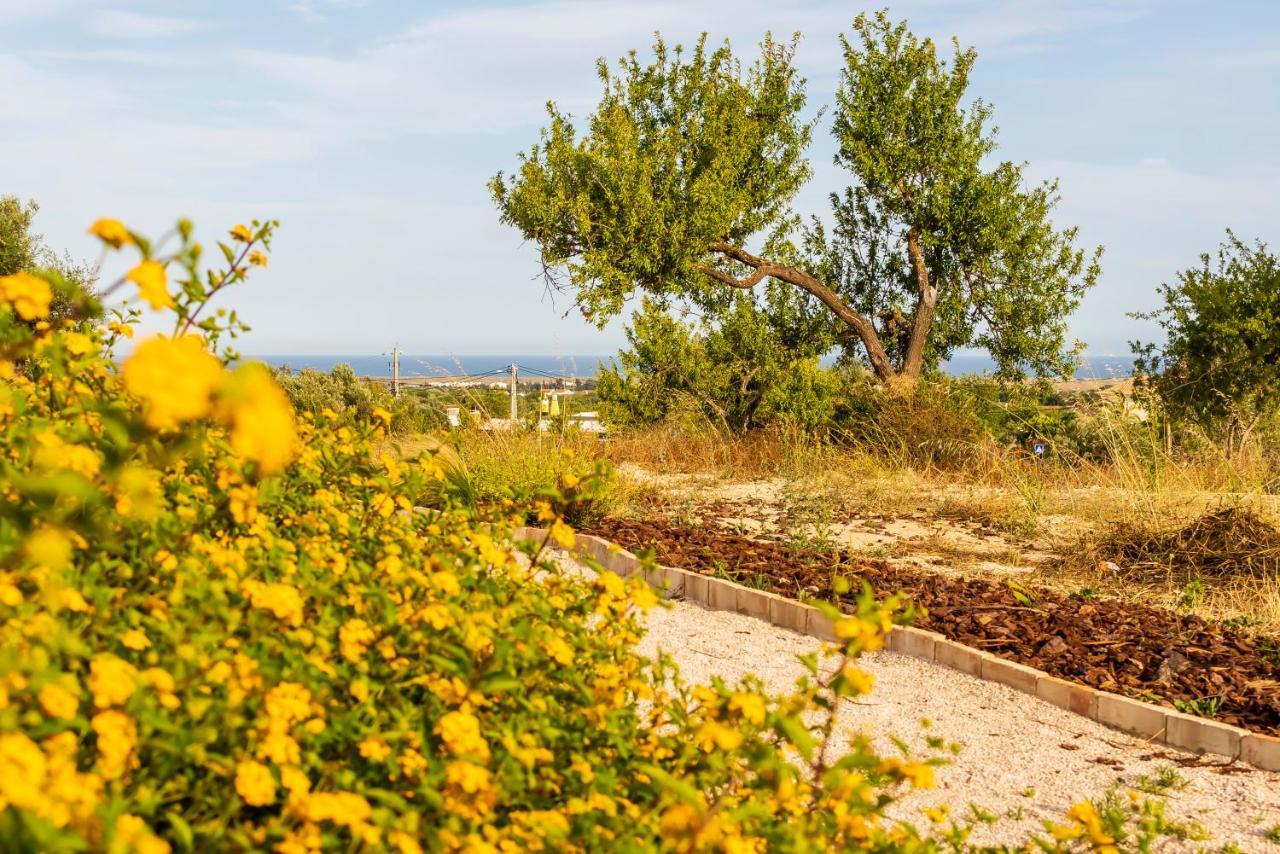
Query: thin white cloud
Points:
[144, 58]
[16, 10]
[489, 69]
[1248, 60]
[136, 25]
[317, 11]
[1155, 191]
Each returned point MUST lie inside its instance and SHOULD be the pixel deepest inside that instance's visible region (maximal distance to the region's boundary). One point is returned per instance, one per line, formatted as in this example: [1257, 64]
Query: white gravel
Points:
[1023, 760]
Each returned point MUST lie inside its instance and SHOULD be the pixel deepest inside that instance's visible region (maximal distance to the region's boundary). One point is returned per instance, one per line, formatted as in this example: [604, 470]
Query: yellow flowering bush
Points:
[226, 628]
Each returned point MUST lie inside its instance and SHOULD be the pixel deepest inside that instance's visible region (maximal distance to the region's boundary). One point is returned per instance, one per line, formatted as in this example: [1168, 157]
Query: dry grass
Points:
[1056, 521]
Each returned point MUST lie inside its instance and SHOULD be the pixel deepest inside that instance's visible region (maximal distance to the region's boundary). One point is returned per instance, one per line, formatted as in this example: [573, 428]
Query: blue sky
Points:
[369, 129]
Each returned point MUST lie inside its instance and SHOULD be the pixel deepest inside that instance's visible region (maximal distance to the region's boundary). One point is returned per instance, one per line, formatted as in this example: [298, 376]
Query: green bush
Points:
[355, 399]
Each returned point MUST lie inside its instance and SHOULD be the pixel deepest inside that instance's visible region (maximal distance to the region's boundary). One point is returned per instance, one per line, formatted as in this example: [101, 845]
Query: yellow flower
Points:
[1086, 815]
[138, 493]
[78, 344]
[23, 770]
[263, 428]
[712, 734]
[57, 701]
[858, 680]
[242, 501]
[133, 835]
[559, 651]
[241, 233]
[254, 783]
[750, 706]
[404, 843]
[917, 773]
[174, 378]
[470, 778]
[460, 732]
[112, 232]
[643, 597]
[354, 638]
[111, 681]
[374, 749]
[295, 780]
[282, 600]
[152, 283]
[288, 703]
[257, 259]
[359, 690]
[48, 547]
[31, 296]
[562, 534]
[52, 454]
[678, 820]
[135, 640]
[117, 736]
[861, 632]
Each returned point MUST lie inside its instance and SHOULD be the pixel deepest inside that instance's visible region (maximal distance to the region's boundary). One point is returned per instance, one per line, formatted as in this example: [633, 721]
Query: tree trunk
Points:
[926, 306]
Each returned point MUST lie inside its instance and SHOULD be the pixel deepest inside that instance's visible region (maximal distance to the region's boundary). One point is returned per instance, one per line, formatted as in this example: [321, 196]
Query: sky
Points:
[369, 129]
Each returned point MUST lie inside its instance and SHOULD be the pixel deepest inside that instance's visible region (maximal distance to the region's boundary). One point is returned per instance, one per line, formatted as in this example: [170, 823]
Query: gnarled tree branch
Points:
[763, 268]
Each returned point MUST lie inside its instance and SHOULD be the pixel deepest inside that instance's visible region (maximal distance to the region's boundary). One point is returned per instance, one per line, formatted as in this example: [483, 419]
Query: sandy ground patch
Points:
[1023, 760]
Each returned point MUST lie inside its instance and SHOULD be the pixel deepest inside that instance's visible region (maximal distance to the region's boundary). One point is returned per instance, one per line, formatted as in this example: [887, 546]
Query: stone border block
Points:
[820, 626]
[697, 588]
[1017, 676]
[1201, 735]
[1261, 751]
[789, 614]
[1080, 699]
[721, 595]
[668, 580]
[957, 656]
[917, 643]
[753, 602]
[1132, 716]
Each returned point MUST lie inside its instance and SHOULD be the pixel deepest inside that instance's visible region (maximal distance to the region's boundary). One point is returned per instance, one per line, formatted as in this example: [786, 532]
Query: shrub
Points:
[355, 399]
[225, 628]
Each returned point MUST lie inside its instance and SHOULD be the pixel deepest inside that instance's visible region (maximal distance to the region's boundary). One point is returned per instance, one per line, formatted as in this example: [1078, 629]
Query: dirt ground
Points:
[955, 528]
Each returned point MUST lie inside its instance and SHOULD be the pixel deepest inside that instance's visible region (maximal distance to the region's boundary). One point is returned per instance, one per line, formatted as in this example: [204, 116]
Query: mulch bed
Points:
[1137, 650]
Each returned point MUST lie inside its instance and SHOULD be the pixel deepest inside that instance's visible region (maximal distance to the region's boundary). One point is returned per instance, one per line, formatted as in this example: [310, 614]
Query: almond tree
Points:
[680, 185]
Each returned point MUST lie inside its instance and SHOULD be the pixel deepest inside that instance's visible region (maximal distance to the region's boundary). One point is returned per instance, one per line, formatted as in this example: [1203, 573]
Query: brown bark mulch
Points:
[1141, 651]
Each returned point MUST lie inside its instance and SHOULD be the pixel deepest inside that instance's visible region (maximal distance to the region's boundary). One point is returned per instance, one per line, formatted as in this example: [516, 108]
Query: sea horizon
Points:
[1092, 366]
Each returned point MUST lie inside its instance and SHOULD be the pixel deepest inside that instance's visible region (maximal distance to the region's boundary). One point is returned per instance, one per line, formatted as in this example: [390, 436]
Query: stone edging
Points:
[1157, 724]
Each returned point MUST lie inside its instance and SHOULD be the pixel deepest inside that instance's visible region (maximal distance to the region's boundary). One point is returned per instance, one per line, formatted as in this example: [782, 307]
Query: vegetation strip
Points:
[1156, 723]
[1139, 651]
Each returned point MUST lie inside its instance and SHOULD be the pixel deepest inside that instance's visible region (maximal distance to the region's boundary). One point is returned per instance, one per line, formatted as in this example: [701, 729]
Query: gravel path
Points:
[1023, 760]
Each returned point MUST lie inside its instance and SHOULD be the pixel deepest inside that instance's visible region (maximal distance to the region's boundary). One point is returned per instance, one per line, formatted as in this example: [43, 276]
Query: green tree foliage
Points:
[689, 160]
[355, 399]
[1220, 365]
[23, 249]
[756, 364]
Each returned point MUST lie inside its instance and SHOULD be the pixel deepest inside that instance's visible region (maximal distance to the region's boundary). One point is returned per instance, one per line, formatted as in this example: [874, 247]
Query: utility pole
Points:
[514, 380]
[395, 371]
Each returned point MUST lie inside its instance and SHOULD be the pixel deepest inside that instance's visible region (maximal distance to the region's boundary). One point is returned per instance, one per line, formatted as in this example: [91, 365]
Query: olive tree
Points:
[680, 184]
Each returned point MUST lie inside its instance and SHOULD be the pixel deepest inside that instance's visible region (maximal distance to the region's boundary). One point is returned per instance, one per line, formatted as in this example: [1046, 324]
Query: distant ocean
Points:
[1093, 367]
